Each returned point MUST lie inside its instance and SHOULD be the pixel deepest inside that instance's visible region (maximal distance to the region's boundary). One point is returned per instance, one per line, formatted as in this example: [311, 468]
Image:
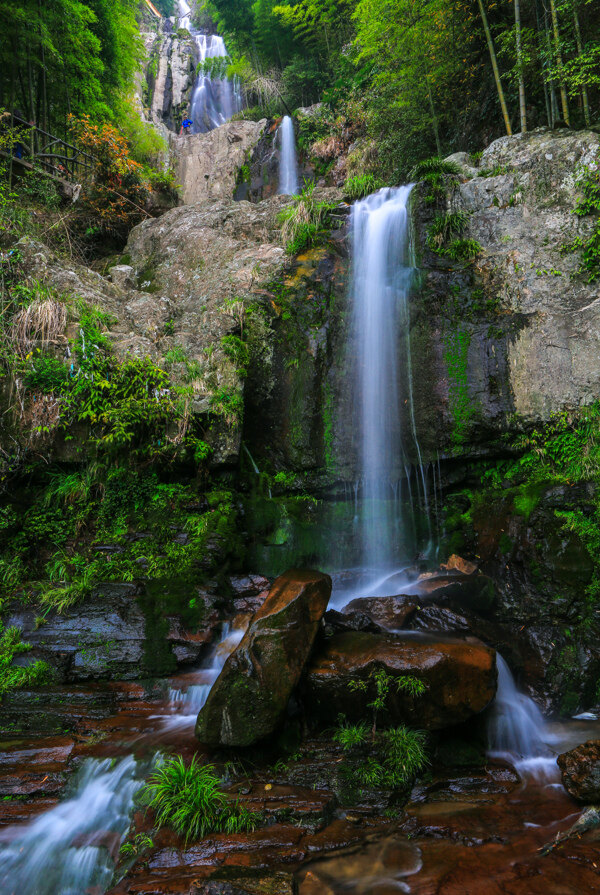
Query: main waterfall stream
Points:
[289, 182]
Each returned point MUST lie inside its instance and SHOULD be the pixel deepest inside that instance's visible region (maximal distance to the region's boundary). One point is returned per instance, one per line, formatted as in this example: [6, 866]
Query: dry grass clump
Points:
[39, 324]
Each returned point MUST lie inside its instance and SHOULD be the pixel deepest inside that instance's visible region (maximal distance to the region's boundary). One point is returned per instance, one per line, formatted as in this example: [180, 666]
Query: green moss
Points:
[456, 354]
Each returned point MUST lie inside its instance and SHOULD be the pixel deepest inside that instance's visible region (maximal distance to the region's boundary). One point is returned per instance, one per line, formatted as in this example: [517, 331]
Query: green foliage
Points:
[15, 676]
[589, 204]
[136, 846]
[380, 683]
[434, 165]
[391, 759]
[361, 185]
[306, 222]
[350, 735]
[463, 249]
[444, 227]
[189, 799]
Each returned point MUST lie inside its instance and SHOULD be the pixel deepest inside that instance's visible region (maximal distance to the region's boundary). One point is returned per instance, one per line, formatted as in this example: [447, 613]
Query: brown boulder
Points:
[374, 614]
[250, 695]
[580, 771]
[460, 677]
[458, 564]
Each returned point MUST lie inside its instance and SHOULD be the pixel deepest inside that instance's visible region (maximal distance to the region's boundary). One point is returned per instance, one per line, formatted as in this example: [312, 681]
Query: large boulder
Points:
[580, 771]
[207, 165]
[460, 677]
[249, 698]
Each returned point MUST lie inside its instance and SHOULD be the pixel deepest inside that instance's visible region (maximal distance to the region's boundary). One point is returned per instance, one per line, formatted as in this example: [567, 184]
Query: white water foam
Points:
[518, 732]
[74, 846]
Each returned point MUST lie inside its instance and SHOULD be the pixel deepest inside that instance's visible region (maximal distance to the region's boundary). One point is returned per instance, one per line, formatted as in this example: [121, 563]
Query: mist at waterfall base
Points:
[214, 99]
[289, 182]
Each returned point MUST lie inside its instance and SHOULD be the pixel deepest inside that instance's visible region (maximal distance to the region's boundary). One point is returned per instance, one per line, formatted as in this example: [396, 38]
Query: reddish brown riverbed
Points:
[463, 832]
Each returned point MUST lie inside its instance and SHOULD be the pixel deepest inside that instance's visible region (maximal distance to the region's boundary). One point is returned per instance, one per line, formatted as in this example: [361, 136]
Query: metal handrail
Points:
[64, 160]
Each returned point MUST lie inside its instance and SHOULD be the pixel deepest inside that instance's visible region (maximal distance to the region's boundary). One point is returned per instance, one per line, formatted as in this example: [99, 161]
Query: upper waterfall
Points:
[288, 162]
[215, 98]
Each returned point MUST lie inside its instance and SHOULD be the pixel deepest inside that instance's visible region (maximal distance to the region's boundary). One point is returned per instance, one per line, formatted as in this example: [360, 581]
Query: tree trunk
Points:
[584, 92]
[522, 103]
[544, 76]
[563, 90]
[490, 44]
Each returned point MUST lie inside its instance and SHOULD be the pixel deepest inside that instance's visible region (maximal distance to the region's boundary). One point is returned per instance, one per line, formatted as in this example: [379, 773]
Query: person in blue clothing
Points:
[186, 125]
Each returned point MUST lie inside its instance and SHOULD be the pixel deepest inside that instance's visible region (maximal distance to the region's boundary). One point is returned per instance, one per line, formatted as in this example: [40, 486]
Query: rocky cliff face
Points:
[169, 74]
[513, 337]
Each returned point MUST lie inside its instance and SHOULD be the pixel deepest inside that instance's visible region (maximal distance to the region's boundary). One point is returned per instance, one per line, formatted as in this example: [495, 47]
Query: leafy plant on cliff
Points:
[189, 799]
[306, 222]
[14, 676]
[589, 204]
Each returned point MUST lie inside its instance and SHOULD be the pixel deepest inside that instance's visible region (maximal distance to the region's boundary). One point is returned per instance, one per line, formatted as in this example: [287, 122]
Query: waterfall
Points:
[73, 848]
[288, 163]
[215, 99]
[184, 15]
[382, 275]
[517, 731]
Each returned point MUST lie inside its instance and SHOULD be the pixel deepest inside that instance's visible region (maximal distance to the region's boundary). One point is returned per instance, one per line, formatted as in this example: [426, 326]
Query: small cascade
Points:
[517, 731]
[382, 276]
[185, 13]
[289, 182]
[185, 704]
[73, 848]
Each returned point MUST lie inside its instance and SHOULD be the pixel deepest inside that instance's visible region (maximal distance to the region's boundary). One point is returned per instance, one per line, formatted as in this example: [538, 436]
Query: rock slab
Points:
[580, 771]
[249, 698]
[460, 677]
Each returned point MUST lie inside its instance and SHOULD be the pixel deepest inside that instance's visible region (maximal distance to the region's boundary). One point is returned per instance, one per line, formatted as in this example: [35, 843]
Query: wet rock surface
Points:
[249, 698]
[460, 678]
[580, 771]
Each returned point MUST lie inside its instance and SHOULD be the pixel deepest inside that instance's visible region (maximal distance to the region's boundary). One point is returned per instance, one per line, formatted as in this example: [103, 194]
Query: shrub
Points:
[189, 799]
[304, 223]
[360, 186]
[434, 165]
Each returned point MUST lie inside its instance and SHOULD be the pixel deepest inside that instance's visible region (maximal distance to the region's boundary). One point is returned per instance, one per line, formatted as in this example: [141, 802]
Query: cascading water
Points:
[73, 847]
[186, 704]
[380, 343]
[517, 731]
[215, 99]
[288, 162]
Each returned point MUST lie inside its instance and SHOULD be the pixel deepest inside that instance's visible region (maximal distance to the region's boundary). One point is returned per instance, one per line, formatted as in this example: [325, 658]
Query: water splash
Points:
[517, 731]
[288, 162]
[74, 846]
